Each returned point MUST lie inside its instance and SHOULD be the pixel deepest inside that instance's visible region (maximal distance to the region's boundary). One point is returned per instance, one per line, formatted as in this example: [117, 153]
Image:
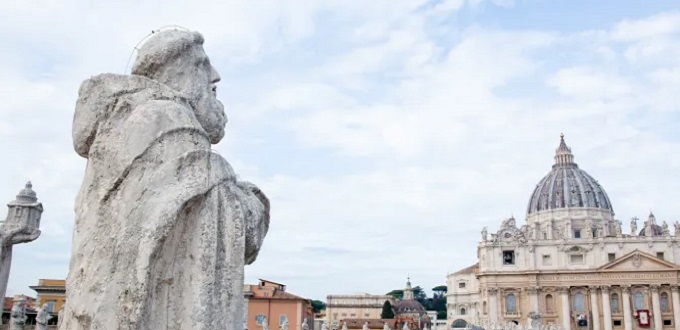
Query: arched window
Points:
[458, 324]
[664, 302]
[462, 311]
[579, 302]
[615, 303]
[484, 307]
[549, 304]
[638, 300]
[283, 318]
[510, 303]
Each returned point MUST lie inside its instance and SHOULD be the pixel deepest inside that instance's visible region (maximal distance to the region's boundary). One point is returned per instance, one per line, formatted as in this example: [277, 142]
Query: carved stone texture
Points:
[163, 227]
[21, 226]
[605, 288]
[625, 288]
[655, 287]
[564, 289]
[532, 290]
[675, 287]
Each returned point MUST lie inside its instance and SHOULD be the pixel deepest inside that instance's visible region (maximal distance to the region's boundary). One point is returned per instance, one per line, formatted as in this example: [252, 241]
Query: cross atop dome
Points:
[563, 155]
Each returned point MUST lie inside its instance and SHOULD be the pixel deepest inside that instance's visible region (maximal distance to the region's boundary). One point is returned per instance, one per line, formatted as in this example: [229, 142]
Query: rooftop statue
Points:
[42, 318]
[163, 227]
[18, 314]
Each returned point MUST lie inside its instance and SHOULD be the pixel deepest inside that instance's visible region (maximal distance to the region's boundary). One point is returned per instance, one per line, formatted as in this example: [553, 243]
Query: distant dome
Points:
[656, 231]
[567, 186]
[410, 306]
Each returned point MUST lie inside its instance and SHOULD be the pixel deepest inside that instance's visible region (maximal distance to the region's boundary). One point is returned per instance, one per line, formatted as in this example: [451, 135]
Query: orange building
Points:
[52, 293]
[269, 300]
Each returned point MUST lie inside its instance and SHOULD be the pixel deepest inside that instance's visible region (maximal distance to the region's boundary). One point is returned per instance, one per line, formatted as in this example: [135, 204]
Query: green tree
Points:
[387, 312]
[318, 306]
[438, 302]
[440, 289]
[398, 294]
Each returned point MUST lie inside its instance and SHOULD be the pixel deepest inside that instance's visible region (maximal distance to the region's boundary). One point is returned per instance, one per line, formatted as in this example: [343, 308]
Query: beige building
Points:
[357, 306]
[570, 263]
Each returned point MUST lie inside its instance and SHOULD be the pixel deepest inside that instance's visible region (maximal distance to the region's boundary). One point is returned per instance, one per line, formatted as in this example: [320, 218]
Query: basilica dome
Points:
[567, 186]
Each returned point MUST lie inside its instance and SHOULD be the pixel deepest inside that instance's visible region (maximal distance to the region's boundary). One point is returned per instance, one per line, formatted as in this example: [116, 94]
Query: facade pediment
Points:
[638, 260]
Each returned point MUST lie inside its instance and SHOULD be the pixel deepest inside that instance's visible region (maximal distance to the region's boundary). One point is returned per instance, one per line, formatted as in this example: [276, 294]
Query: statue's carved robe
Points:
[163, 228]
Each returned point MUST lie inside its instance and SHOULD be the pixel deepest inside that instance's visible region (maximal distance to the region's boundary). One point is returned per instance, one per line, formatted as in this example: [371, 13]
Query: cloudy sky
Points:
[386, 133]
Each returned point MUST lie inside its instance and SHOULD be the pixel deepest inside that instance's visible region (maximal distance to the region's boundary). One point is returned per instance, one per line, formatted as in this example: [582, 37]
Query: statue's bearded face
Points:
[199, 82]
[177, 59]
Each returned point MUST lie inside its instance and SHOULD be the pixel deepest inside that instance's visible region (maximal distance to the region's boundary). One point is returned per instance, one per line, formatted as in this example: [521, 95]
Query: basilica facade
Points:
[571, 264]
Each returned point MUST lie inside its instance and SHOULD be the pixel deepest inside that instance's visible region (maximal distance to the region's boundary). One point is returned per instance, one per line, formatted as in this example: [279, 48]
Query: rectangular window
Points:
[659, 255]
[461, 285]
[366, 315]
[353, 315]
[546, 260]
[576, 259]
[667, 322]
[617, 323]
[509, 257]
[611, 256]
[51, 304]
[577, 233]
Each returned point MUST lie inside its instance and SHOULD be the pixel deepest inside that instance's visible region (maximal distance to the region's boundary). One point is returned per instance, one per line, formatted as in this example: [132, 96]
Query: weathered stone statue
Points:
[163, 227]
[664, 227]
[386, 326]
[365, 327]
[42, 318]
[633, 226]
[344, 325]
[21, 226]
[405, 327]
[284, 326]
[18, 314]
[484, 234]
[304, 325]
[677, 228]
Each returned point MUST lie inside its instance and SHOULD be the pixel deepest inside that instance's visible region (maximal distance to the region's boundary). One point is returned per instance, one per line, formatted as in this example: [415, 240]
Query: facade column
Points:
[627, 316]
[607, 309]
[656, 307]
[566, 317]
[493, 304]
[533, 298]
[594, 308]
[676, 305]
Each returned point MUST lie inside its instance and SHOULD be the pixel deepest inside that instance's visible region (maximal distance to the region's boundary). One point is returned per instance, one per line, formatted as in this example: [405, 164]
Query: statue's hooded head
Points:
[177, 59]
